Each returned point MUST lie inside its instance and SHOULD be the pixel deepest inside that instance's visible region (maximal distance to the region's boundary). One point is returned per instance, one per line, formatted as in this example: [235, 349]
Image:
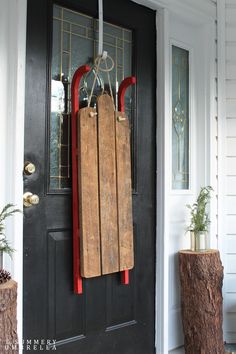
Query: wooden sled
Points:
[101, 187]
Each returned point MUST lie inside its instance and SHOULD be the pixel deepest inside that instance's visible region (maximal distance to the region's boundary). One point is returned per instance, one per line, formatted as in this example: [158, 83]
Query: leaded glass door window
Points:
[180, 118]
[75, 42]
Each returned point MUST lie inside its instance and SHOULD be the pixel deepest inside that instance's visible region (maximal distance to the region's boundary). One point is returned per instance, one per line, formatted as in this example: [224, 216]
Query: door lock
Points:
[30, 199]
[29, 168]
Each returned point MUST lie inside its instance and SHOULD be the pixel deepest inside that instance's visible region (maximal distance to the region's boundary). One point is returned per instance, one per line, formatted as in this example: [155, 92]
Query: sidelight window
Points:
[180, 118]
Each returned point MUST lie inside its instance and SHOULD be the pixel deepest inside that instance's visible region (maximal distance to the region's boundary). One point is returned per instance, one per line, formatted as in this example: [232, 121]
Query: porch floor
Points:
[229, 349]
[177, 351]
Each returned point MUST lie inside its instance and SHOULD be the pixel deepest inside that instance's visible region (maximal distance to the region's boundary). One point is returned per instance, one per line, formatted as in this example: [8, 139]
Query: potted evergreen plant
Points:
[5, 247]
[199, 221]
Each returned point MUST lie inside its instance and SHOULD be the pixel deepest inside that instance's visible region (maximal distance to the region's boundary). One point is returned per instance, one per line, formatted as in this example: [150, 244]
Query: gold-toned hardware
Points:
[30, 199]
[121, 119]
[92, 114]
[29, 168]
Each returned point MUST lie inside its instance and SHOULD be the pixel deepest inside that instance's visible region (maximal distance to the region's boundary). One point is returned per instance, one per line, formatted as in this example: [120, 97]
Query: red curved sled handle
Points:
[121, 107]
[121, 92]
[78, 286]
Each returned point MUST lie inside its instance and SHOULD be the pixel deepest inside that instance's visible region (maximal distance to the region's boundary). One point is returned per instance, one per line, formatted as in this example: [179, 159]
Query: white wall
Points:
[193, 24]
[198, 38]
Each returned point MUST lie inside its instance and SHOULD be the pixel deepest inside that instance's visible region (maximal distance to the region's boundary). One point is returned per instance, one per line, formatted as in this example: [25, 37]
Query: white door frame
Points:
[12, 92]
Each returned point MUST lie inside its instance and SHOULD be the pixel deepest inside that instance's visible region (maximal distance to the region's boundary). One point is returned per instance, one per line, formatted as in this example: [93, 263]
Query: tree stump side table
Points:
[8, 320]
[201, 279]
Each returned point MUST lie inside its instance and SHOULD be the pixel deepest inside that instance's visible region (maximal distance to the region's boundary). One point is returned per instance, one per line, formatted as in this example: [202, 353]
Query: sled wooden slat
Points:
[107, 184]
[88, 194]
[124, 192]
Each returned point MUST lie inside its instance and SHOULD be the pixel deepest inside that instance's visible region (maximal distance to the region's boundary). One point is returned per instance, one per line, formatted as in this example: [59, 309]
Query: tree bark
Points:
[8, 321]
[201, 278]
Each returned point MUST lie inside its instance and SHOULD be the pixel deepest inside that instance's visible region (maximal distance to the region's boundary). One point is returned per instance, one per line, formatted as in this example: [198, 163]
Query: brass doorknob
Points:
[30, 199]
[29, 168]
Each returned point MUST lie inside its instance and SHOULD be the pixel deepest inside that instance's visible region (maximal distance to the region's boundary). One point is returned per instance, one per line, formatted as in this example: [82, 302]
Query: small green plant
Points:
[6, 212]
[199, 217]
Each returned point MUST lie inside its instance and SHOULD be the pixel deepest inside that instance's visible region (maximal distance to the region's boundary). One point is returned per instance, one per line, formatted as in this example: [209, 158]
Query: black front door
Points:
[108, 318]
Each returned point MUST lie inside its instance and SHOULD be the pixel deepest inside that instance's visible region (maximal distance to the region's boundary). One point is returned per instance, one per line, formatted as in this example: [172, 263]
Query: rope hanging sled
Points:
[97, 64]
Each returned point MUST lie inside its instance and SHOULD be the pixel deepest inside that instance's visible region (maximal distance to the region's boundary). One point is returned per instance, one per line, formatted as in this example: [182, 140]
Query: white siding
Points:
[214, 155]
[229, 174]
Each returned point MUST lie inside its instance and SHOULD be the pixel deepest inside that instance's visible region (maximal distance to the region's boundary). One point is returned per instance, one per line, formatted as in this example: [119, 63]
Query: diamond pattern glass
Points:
[75, 42]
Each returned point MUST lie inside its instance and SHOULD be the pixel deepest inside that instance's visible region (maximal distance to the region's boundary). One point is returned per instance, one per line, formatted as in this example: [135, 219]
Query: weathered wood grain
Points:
[107, 185]
[124, 192]
[201, 278]
[88, 194]
[8, 320]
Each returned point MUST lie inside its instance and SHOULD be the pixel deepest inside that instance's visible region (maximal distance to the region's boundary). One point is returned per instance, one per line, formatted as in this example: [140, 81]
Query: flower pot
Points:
[198, 241]
[201, 241]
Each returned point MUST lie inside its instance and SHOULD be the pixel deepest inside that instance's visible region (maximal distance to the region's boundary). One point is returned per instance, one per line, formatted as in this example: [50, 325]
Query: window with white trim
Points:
[180, 118]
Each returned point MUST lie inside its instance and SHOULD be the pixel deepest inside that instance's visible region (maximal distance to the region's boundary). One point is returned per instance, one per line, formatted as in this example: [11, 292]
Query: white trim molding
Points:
[13, 45]
[211, 104]
[221, 123]
[198, 11]
[162, 251]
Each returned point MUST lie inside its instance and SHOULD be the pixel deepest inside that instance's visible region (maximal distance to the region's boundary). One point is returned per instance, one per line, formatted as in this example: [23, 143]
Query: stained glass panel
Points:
[75, 42]
[180, 118]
